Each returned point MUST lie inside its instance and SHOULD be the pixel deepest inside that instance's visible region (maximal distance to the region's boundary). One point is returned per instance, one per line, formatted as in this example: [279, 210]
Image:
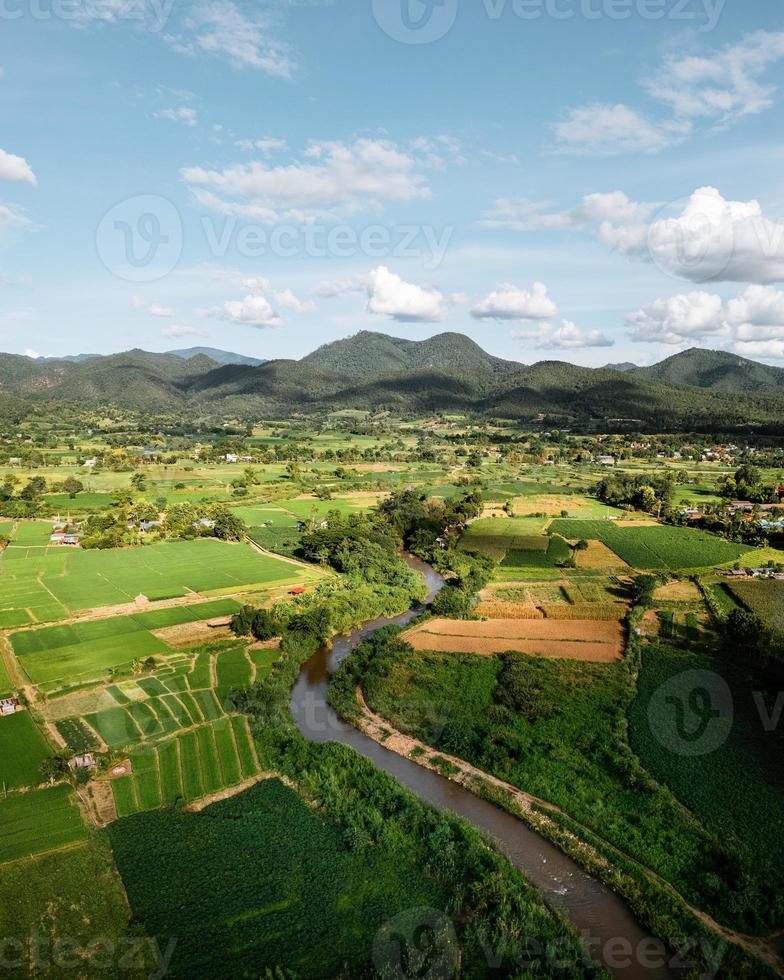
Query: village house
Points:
[8, 706]
[86, 761]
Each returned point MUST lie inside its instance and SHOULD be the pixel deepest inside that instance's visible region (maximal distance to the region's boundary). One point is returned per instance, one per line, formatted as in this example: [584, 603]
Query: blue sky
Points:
[588, 180]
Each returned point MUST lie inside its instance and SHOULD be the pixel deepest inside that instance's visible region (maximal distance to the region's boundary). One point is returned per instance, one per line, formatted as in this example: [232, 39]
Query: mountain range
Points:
[693, 389]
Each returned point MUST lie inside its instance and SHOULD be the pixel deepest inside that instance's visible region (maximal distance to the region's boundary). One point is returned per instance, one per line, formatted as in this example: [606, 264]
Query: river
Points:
[602, 918]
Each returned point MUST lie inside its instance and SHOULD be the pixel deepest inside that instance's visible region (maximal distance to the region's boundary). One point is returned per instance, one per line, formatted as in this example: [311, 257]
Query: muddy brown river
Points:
[608, 927]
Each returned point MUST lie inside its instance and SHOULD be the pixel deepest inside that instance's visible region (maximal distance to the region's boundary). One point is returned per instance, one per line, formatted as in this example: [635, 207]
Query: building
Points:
[86, 761]
[8, 706]
[606, 460]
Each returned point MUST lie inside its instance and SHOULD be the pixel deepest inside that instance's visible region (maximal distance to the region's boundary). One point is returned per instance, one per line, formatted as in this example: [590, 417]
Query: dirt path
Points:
[285, 558]
[469, 776]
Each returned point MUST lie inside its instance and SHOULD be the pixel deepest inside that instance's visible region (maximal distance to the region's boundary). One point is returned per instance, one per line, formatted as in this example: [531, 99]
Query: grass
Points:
[41, 820]
[654, 546]
[22, 750]
[269, 870]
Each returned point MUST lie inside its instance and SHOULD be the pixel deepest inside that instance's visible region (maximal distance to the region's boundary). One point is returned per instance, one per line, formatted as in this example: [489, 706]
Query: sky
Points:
[586, 180]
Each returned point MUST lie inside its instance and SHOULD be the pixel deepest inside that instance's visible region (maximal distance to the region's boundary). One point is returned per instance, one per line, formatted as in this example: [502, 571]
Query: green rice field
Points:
[22, 750]
[38, 821]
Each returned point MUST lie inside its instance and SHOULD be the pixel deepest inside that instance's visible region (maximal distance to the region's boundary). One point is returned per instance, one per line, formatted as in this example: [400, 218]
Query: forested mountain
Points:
[714, 369]
[218, 356]
[447, 373]
[367, 354]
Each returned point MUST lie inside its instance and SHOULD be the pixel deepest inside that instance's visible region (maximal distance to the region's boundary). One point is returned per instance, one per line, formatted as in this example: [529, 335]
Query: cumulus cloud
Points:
[16, 169]
[752, 323]
[390, 295]
[508, 302]
[688, 316]
[252, 311]
[183, 330]
[267, 145]
[285, 298]
[717, 239]
[566, 337]
[333, 179]
[702, 238]
[406, 302]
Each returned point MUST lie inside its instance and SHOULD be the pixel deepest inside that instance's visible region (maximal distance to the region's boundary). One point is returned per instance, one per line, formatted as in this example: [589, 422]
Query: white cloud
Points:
[11, 217]
[717, 239]
[602, 130]
[508, 302]
[183, 114]
[331, 288]
[253, 311]
[717, 87]
[268, 145]
[333, 179]
[723, 85]
[182, 330]
[569, 337]
[285, 298]
[32, 353]
[154, 309]
[686, 317]
[752, 323]
[16, 169]
[403, 301]
[706, 238]
[221, 28]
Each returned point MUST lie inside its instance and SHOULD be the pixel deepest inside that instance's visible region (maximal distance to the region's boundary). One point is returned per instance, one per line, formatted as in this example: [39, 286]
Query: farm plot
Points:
[494, 536]
[48, 582]
[38, 821]
[571, 639]
[653, 546]
[765, 599]
[22, 750]
[201, 761]
[537, 552]
[83, 650]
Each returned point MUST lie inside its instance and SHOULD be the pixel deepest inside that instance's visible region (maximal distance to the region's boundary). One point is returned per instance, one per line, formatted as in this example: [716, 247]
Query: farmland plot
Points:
[40, 820]
[22, 750]
[654, 546]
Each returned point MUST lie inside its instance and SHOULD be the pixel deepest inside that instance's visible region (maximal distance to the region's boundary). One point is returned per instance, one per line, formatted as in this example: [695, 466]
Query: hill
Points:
[367, 354]
[714, 369]
[707, 390]
[218, 356]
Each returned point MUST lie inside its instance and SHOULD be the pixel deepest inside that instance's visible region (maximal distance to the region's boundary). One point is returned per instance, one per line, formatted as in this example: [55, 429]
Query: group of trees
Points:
[647, 492]
[118, 527]
[747, 483]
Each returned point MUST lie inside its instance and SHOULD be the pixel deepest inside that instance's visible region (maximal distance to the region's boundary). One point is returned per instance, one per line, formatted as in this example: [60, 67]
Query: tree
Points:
[228, 527]
[139, 482]
[72, 486]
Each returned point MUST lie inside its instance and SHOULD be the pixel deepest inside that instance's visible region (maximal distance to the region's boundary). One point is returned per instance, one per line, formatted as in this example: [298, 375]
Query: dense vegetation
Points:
[556, 728]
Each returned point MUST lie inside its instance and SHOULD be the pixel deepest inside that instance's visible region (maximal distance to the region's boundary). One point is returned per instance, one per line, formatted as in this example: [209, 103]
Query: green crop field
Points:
[494, 536]
[269, 870]
[764, 598]
[737, 789]
[233, 670]
[41, 820]
[50, 581]
[89, 649]
[653, 546]
[22, 750]
[555, 551]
